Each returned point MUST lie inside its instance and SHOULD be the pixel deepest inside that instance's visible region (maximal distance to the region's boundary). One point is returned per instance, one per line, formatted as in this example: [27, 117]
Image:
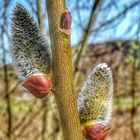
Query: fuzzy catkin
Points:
[31, 53]
[95, 98]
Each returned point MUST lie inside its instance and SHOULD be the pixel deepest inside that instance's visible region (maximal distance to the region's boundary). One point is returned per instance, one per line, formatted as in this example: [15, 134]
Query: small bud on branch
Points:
[65, 22]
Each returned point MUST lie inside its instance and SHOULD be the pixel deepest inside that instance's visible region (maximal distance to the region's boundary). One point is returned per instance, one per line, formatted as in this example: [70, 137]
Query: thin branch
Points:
[116, 17]
[91, 21]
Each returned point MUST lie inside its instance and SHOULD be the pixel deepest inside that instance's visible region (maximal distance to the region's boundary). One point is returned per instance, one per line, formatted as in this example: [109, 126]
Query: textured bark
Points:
[62, 72]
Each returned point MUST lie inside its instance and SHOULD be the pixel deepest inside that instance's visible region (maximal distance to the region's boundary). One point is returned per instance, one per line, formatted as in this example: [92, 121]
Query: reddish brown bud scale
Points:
[96, 132]
[65, 22]
[38, 85]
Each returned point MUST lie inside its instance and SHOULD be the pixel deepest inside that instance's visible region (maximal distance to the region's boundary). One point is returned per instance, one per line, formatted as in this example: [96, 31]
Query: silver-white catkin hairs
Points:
[95, 100]
[30, 50]
[31, 53]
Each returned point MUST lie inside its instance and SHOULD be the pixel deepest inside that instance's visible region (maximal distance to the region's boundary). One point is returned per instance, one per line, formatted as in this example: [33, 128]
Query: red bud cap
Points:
[38, 85]
[96, 132]
[65, 22]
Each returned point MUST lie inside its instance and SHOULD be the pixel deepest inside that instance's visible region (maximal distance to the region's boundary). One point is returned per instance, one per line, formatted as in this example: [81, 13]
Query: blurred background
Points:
[102, 31]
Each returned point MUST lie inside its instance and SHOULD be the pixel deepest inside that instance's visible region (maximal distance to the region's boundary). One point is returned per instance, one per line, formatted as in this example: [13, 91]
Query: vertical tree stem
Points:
[62, 73]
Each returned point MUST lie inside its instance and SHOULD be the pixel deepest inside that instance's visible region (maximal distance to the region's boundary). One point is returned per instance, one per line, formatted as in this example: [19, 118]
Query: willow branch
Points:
[62, 72]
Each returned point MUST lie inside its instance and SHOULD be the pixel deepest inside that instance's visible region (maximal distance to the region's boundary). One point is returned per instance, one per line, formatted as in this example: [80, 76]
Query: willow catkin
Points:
[30, 51]
[95, 99]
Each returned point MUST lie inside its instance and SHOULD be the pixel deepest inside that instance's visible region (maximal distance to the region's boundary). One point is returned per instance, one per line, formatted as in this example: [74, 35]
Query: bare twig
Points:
[91, 21]
[116, 17]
